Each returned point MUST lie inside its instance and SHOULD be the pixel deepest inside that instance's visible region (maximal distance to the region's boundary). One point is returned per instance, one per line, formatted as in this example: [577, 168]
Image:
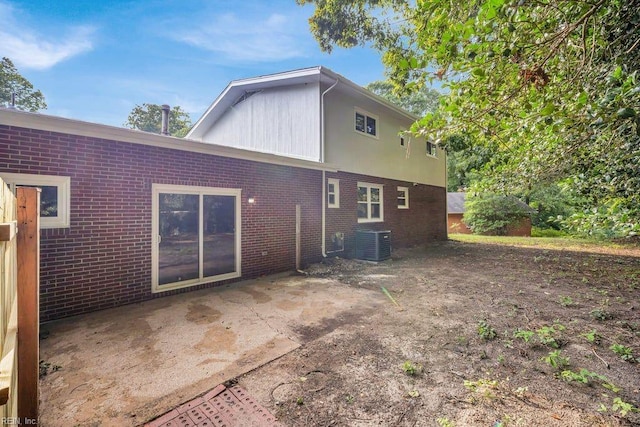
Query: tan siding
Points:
[383, 156]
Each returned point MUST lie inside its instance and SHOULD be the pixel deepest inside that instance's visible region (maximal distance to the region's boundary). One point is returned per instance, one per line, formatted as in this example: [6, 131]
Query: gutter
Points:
[324, 177]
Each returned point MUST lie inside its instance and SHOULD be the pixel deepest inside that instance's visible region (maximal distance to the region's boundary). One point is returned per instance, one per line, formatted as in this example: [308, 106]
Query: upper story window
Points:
[366, 123]
[333, 193]
[403, 197]
[370, 206]
[54, 196]
[432, 149]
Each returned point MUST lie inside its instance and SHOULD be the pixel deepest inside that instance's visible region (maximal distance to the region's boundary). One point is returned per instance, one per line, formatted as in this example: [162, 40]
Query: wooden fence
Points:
[19, 305]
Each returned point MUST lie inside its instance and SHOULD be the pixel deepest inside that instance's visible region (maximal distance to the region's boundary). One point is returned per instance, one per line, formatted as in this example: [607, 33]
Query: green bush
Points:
[546, 232]
[490, 213]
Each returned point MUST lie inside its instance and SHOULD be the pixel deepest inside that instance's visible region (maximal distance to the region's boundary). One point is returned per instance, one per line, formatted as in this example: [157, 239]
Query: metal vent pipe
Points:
[165, 119]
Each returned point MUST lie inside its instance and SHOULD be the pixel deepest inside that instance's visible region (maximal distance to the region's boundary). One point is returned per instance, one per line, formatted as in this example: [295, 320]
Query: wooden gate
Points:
[19, 305]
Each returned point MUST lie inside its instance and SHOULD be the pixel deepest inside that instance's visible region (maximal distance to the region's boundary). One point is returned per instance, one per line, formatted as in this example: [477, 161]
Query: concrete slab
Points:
[127, 365]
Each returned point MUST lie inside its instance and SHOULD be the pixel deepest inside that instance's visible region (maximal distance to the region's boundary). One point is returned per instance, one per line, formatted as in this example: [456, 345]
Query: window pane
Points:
[179, 245]
[48, 199]
[332, 199]
[219, 235]
[362, 194]
[331, 188]
[363, 210]
[401, 194]
[375, 210]
[360, 122]
[371, 126]
[375, 194]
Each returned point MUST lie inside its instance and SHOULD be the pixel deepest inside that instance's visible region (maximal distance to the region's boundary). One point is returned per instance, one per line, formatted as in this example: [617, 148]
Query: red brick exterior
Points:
[520, 228]
[424, 221]
[104, 259]
[456, 225]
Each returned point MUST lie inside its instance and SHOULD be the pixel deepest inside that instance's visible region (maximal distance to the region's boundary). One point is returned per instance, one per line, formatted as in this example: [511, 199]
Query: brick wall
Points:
[424, 221]
[456, 225]
[104, 258]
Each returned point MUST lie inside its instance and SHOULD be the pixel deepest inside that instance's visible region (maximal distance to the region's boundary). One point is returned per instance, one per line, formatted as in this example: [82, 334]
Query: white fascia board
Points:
[22, 119]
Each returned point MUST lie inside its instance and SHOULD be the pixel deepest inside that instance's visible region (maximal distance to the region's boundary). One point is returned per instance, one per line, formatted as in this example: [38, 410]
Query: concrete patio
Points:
[128, 365]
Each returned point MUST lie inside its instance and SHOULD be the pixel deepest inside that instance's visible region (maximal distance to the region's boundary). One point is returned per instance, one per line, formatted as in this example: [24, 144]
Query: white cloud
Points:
[29, 49]
[250, 39]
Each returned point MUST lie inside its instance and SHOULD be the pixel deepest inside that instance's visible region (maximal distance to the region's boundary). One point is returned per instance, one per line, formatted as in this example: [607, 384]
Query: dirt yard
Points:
[480, 334]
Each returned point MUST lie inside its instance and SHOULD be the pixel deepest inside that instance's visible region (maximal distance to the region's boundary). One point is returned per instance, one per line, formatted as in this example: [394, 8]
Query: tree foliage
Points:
[148, 118]
[12, 82]
[418, 102]
[552, 85]
[490, 213]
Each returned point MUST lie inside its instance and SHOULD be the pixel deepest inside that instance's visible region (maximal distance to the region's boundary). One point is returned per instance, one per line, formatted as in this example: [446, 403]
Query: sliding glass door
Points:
[196, 235]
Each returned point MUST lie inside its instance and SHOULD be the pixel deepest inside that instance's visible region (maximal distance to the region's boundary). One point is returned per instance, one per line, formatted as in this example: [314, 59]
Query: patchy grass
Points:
[565, 243]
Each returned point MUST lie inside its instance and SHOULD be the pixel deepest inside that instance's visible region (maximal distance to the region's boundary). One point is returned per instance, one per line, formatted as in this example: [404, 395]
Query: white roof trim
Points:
[22, 119]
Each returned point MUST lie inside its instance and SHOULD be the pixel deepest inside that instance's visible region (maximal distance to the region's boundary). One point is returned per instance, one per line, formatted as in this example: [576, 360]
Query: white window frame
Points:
[434, 151]
[156, 189]
[405, 199]
[369, 186]
[366, 115]
[336, 193]
[63, 183]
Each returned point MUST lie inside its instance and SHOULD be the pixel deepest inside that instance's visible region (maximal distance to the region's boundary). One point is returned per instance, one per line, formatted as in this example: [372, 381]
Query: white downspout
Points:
[324, 178]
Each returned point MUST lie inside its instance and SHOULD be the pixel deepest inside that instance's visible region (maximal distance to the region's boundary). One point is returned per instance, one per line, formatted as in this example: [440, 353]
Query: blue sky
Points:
[95, 60]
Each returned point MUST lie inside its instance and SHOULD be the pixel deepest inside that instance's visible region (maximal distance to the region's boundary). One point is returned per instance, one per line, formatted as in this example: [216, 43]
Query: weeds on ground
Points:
[445, 422]
[566, 301]
[600, 314]
[624, 352]
[585, 376]
[592, 336]
[411, 368]
[545, 335]
[45, 368]
[524, 335]
[623, 407]
[486, 331]
[556, 360]
[482, 387]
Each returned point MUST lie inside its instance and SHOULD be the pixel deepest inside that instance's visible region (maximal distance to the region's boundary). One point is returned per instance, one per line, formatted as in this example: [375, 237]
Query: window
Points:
[432, 149]
[54, 196]
[196, 235]
[403, 198]
[402, 141]
[333, 193]
[366, 123]
[370, 206]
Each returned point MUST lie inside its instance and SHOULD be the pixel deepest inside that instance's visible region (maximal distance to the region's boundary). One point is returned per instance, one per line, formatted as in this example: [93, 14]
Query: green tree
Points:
[12, 82]
[148, 117]
[419, 102]
[552, 84]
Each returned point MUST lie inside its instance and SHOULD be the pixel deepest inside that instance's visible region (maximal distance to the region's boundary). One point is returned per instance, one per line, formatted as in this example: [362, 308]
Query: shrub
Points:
[489, 213]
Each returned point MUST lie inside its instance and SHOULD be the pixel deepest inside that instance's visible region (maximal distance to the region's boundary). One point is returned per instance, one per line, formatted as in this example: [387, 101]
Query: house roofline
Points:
[236, 88]
[43, 122]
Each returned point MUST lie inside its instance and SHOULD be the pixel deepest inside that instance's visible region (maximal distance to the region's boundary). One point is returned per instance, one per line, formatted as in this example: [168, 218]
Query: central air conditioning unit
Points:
[373, 245]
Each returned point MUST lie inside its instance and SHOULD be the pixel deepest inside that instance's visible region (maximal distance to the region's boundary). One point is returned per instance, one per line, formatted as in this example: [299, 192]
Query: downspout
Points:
[324, 178]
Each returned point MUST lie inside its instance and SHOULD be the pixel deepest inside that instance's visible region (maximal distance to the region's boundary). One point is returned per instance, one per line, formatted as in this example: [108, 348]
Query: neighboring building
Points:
[456, 210]
[279, 172]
